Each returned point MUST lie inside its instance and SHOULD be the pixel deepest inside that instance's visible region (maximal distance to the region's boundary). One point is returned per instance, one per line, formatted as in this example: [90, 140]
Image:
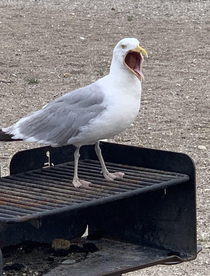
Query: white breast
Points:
[122, 107]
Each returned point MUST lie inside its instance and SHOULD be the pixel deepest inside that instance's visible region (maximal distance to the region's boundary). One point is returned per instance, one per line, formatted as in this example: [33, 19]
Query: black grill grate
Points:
[48, 190]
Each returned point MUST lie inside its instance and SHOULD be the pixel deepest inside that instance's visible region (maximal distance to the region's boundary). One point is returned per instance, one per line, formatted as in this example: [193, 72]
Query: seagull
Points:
[89, 114]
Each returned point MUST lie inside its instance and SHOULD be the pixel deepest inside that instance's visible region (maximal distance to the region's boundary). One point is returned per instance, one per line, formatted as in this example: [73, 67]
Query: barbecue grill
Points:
[147, 218]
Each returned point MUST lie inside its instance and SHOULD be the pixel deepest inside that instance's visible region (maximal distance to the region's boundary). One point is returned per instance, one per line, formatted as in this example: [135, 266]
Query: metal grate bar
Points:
[27, 195]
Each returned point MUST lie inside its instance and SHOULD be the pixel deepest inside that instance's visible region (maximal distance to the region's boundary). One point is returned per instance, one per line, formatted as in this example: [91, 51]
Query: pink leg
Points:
[76, 181]
[109, 176]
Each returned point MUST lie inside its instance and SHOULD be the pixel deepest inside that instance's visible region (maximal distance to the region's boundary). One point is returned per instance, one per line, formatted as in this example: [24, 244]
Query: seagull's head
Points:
[127, 53]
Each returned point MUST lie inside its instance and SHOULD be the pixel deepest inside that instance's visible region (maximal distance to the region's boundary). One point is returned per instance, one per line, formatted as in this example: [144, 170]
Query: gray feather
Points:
[62, 119]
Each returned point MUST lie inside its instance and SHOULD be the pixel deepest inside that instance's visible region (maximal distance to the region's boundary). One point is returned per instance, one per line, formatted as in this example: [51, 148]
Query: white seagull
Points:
[91, 113]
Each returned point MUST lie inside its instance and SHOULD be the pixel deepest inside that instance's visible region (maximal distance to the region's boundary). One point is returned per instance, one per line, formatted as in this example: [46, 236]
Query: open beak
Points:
[133, 60]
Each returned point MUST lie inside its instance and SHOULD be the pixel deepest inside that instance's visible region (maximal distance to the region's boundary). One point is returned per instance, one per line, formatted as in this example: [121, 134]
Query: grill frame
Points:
[169, 209]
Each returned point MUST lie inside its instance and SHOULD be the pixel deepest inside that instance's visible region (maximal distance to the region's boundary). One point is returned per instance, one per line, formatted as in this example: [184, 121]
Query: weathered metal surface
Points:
[115, 258]
[49, 190]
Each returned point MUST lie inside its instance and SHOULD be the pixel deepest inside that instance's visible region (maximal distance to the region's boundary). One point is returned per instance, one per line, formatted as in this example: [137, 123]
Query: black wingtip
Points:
[5, 137]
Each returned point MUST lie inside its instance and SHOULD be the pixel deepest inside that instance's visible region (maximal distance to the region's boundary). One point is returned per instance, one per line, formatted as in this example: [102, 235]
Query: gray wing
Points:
[61, 119]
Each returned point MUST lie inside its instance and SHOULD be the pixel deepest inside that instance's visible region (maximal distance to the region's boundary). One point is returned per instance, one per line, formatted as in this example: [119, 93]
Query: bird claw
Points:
[112, 176]
[80, 183]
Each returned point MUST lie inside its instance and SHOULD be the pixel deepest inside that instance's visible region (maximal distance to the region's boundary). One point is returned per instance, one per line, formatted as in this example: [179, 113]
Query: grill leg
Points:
[1, 264]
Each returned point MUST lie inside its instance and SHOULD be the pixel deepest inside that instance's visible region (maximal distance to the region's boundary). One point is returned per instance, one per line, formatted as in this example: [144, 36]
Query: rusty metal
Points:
[153, 207]
[49, 190]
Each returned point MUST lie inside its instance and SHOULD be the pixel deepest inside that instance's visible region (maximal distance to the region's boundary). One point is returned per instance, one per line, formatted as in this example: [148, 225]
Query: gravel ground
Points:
[50, 47]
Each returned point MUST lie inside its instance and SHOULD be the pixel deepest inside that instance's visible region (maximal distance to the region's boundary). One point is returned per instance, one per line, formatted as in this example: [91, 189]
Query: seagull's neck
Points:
[122, 77]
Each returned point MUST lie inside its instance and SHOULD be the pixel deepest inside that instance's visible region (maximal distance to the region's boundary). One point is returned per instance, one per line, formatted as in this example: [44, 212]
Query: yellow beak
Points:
[140, 50]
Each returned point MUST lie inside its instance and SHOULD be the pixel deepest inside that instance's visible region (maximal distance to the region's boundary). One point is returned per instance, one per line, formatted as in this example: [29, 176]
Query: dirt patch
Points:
[50, 47]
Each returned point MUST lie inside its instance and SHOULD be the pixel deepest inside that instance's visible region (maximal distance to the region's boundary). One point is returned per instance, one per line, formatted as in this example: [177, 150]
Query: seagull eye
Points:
[123, 46]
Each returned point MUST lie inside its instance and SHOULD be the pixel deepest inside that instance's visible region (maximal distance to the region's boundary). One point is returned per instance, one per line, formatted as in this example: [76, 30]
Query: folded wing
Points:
[61, 119]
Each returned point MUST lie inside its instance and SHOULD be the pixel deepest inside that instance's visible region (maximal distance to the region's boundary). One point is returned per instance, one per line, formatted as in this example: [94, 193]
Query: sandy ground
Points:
[64, 45]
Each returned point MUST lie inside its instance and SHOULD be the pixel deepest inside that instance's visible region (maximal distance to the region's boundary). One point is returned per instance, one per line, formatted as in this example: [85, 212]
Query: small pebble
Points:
[59, 244]
[201, 147]
[75, 248]
[67, 75]
[69, 262]
[61, 253]
[50, 259]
